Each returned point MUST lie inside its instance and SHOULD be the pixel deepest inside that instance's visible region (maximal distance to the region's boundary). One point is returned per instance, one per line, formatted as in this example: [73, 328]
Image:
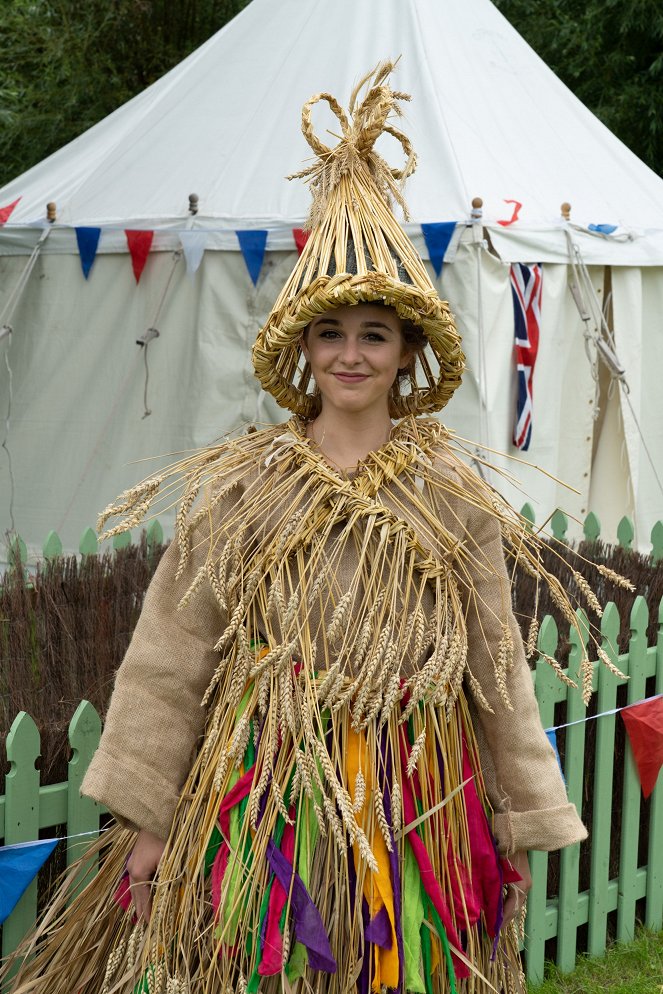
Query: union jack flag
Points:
[526, 284]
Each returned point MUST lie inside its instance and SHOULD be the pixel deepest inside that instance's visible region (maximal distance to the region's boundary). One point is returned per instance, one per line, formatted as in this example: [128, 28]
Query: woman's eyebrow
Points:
[376, 324]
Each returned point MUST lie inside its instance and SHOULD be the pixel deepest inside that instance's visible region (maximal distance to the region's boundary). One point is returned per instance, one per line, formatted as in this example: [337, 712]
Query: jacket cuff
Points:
[547, 829]
[107, 781]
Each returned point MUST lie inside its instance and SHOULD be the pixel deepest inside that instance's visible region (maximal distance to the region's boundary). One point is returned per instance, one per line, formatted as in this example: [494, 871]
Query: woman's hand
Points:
[141, 867]
[517, 892]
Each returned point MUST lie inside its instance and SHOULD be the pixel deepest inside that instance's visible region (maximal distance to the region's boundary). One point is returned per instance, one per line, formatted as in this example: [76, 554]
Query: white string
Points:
[7, 332]
[591, 717]
[177, 255]
[59, 838]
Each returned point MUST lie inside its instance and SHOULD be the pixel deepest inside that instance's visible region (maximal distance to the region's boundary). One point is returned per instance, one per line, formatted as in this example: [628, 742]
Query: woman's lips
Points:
[351, 377]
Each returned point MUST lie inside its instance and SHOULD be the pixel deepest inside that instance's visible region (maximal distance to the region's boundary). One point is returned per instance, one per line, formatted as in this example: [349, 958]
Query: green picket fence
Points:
[557, 525]
[26, 808]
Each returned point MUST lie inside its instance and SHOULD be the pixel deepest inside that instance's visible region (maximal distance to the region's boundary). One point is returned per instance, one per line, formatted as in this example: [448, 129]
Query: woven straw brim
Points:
[358, 253]
[279, 364]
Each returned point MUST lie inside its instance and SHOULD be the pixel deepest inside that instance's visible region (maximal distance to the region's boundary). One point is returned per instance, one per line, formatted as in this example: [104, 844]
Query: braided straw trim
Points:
[352, 190]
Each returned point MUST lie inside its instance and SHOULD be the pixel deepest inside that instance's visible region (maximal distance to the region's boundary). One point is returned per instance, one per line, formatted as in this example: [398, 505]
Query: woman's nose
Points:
[350, 351]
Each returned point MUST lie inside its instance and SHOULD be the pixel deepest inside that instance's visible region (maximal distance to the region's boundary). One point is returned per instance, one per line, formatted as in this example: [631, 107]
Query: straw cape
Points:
[334, 830]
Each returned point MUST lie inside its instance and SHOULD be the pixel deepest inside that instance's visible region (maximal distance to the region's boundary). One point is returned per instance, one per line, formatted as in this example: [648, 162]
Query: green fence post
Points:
[82, 812]
[21, 818]
[154, 538]
[592, 527]
[17, 551]
[122, 541]
[527, 512]
[625, 533]
[52, 547]
[559, 525]
[654, 906]
[535, 936]
[88, 545]
[657, 542]
[574, 769]
[628, 851]
[603, 770]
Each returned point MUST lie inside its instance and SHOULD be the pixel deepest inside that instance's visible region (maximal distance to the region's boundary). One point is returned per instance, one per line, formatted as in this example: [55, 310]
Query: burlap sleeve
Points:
[522, 775]
[155, 716]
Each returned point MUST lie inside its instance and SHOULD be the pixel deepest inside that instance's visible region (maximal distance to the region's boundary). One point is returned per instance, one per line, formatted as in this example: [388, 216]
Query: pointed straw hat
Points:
[358, 253]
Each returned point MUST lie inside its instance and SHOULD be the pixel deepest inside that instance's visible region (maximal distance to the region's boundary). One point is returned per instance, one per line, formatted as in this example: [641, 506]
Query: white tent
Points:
[488, 119]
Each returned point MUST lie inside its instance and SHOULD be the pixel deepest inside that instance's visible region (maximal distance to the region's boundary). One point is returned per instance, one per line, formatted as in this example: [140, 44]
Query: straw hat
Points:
[358, 253]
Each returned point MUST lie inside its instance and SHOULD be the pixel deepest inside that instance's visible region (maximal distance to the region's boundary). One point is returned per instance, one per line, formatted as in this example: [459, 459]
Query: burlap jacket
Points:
[155, 719]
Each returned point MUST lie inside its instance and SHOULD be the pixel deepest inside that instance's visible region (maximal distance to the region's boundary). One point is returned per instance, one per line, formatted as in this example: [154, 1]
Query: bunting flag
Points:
[602, 229]
[551, 734]
[6, 212]
[526, 285]
[19, 865]
[516, 211]
[88, 243]
[193, 244]
[644, 724]
[437, 237]
[301, 237]
[252, 244]
[139, 243]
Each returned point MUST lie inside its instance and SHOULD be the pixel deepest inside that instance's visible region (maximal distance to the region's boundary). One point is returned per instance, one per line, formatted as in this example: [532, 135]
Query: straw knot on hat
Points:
[358, 253]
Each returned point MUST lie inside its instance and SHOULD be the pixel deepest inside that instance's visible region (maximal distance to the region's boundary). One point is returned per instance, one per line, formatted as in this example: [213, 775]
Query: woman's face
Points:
[355, 353]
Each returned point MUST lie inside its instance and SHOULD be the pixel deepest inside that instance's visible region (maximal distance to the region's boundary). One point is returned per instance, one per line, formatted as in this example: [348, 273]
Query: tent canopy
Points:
[488, 119]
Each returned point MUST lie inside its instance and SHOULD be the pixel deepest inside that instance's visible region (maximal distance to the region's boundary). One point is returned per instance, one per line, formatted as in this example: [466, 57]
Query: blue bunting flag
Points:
[88, 243]
[437, 237]
[252, 244]
[19, 865]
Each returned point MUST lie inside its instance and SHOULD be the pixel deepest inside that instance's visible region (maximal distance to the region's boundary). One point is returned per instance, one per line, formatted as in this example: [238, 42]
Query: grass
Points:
[636, 968]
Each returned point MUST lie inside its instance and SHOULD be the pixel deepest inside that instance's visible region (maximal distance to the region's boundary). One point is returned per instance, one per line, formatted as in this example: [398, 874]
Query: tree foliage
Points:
[67, 64]
[610, 54]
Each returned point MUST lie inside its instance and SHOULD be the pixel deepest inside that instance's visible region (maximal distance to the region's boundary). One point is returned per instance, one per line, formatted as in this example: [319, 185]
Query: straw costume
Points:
[369, 742]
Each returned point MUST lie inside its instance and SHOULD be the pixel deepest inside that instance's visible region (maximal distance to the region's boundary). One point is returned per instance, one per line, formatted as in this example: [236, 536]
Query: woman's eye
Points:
[328, 333]
[374, 336]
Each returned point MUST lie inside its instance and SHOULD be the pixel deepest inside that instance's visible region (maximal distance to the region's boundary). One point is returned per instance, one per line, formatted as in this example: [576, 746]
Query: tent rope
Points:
[599, 335]
[6, 333]
[153, 332]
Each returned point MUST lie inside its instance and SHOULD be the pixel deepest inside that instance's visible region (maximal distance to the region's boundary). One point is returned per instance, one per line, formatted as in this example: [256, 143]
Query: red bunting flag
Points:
[644, 724]
[5, 212]
[301, 237]
[516, 211]
[139, 243]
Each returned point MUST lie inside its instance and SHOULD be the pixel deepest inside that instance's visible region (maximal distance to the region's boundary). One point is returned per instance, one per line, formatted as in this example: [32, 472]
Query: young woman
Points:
[353, 802]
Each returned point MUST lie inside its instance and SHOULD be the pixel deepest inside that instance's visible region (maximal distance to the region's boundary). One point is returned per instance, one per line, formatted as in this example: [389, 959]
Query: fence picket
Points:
[17, 551]
[88, 545]
[592, 527]
[52, 547]
[559, 525]
[628, 855]
[568, 918]
[535, 931]
[603, 771]
[82, 812]
[657, 542]
[122, 541]
[654, 910]
[21, 817]
[625, 533]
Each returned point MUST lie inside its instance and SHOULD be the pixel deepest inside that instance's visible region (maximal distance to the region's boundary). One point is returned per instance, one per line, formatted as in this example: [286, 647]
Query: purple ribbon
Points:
[393, 859]
[308, 925]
